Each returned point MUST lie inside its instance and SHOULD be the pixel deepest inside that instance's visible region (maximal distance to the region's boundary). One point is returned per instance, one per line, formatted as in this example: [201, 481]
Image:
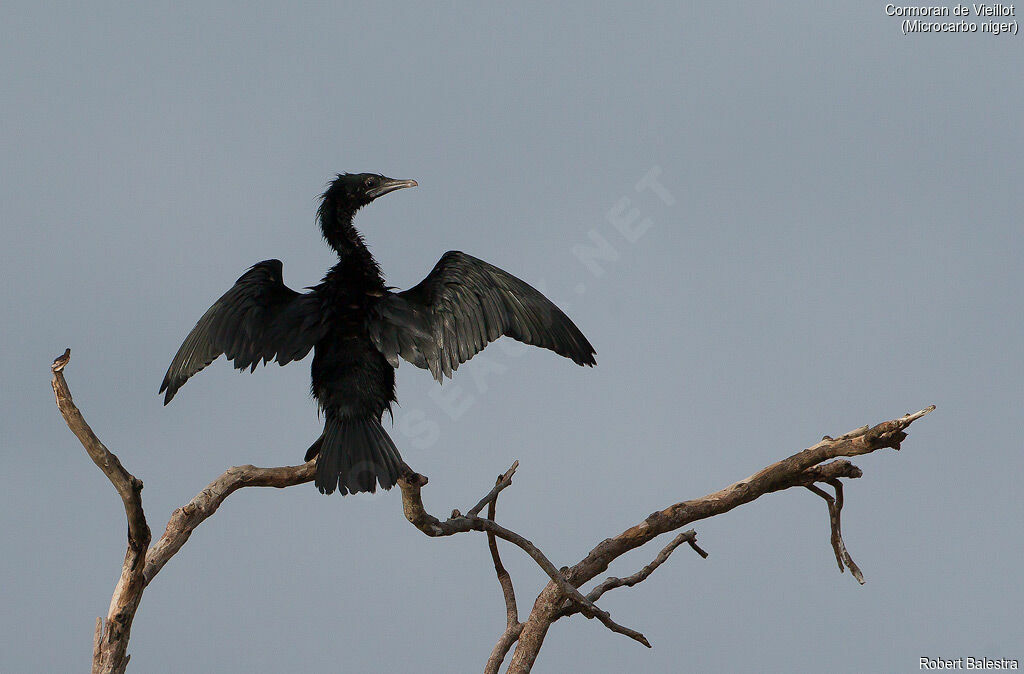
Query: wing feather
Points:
[258, 319]
[459, 308]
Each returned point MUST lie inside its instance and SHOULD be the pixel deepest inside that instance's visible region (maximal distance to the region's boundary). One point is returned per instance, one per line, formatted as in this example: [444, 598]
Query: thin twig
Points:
[847, 559]
[512, 625]
[836, 540]
[611, 583]
[504, 579]
[835, 508]
[504, 480]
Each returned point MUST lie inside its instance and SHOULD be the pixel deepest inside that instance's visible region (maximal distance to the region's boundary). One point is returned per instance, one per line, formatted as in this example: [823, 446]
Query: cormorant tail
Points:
[355, 454]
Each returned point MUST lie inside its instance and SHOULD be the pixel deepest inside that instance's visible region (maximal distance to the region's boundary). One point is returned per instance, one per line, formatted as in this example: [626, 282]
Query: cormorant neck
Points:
[338, 230]
[356, 265]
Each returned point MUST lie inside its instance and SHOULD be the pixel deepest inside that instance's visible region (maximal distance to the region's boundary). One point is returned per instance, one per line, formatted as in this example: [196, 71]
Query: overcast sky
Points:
[837, 242]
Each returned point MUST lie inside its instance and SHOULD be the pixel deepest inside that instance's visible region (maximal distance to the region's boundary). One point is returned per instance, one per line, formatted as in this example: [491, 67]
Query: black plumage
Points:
[358, 329]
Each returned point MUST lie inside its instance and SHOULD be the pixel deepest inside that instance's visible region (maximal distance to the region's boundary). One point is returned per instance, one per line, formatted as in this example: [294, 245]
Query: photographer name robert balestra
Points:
[968, 663]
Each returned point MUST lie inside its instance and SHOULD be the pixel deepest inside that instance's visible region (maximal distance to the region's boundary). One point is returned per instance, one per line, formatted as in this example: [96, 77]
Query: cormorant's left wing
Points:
[459, 308]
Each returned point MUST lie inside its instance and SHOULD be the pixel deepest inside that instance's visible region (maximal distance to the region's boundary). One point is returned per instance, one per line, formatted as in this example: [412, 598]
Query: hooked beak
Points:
[390, 185]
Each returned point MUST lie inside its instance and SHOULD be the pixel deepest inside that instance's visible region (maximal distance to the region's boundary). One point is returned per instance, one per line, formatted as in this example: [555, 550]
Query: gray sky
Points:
[842, 246]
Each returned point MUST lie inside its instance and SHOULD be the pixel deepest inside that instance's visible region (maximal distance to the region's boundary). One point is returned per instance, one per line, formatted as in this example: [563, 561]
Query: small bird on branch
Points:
[358, 328]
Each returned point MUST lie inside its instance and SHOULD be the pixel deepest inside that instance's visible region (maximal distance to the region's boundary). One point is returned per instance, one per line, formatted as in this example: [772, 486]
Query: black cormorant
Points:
[358, 328]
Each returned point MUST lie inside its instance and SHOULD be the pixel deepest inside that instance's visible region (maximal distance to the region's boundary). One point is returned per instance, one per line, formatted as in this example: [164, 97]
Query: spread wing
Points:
[463, 305]
[260, 318]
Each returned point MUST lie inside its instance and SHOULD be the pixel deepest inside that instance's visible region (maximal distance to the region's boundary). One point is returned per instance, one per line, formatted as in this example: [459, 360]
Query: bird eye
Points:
[370, 182]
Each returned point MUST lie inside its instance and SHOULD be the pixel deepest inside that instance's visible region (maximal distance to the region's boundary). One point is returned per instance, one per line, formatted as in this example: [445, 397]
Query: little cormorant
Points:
[358, 328]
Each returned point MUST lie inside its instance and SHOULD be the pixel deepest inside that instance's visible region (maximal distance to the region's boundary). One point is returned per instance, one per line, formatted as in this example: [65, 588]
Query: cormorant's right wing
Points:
[260, 318]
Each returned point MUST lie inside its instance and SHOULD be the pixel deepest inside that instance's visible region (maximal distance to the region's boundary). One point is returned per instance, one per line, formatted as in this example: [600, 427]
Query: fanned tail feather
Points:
[354, 456]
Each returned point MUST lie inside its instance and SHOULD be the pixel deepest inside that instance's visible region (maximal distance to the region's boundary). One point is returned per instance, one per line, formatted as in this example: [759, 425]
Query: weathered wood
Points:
[142, 563]
[110, 644]
[801, 469]
[561, 597]
[184, 520]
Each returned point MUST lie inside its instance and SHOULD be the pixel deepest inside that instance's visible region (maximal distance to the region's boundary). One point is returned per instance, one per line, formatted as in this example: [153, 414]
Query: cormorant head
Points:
[351, 191]
[347, 194]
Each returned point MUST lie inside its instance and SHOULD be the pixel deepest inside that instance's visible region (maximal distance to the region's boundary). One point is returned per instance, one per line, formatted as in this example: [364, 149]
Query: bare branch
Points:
[641, 575]
[504, 480]
[110, 646]
[184, 520]
[504, 579]
[127, 485]
[612, 582]
[835, 508]
[559, 598]
[512, 625]
[412, 505]
[502, 647]
[141, 562]
[850, 564]
[800, 469]
[836, 541]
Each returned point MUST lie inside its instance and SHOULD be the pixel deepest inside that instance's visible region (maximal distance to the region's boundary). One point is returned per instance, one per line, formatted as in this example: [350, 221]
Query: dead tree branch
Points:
[689, 537]
[412, 504]
[801, 469]
[561, 596]
[835, 507]
[110, 644]
[142, 563]
[512, 625]
[185, 519]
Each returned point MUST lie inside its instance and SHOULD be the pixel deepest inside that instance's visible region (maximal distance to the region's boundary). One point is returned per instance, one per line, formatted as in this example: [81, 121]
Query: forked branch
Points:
[801, 469]
[412, 503]
[561, 597]
[142, 563]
